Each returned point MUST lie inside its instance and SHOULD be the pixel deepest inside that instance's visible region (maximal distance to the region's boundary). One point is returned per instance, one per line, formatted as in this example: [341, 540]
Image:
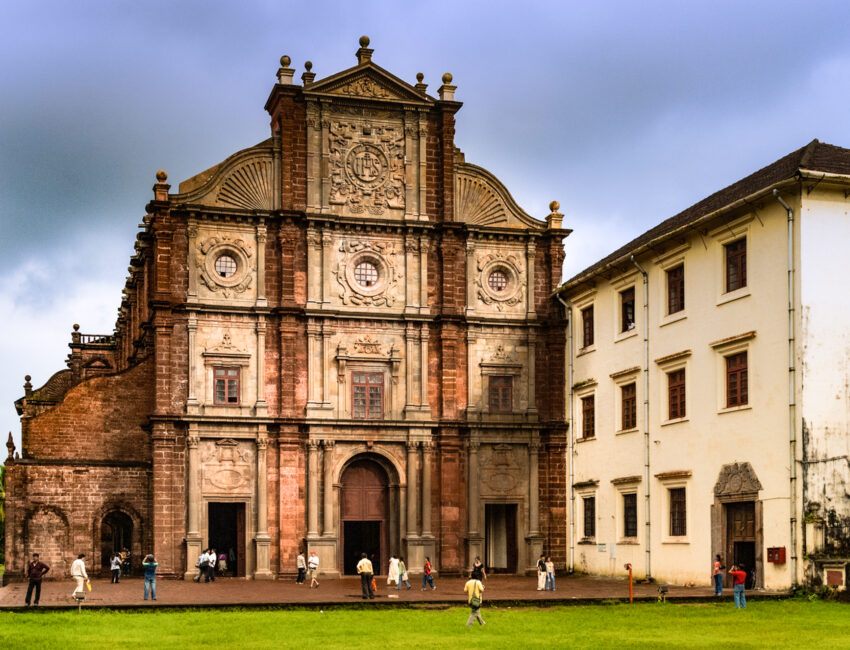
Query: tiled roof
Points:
[815, 156]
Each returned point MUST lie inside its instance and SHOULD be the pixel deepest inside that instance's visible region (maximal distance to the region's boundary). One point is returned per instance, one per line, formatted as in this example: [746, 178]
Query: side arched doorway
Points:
[364, 514]
[116, 533]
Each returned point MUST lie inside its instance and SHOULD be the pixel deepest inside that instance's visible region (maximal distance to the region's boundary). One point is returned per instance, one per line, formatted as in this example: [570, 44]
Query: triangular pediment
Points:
[368, 81]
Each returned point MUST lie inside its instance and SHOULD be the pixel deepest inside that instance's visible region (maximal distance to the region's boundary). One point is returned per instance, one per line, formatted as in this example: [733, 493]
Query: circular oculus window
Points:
[366, 274]
[225, 266]
[497, 280]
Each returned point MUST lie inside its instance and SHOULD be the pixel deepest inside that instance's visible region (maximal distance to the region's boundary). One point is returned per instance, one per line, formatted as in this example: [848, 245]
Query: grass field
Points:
[765, 624]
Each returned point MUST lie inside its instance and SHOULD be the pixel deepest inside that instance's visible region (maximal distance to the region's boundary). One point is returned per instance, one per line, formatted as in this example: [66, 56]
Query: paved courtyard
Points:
[231, 591]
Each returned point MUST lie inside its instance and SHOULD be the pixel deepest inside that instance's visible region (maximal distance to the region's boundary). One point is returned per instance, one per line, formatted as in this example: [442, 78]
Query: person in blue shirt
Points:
[150, 565]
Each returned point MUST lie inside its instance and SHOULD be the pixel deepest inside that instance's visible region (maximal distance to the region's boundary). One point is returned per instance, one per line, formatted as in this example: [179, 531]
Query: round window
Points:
[225, 266]
[497, 280]
[366, 274]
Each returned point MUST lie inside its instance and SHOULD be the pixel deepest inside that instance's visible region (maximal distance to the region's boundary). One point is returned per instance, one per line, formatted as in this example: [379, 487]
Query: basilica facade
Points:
[341, 339]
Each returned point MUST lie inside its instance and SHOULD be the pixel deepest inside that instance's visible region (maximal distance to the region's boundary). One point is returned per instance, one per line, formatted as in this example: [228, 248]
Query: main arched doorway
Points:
[364, 514]
[116, 534]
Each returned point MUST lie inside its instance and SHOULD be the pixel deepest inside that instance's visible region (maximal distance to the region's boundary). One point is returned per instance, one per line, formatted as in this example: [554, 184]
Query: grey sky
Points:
[626, 112]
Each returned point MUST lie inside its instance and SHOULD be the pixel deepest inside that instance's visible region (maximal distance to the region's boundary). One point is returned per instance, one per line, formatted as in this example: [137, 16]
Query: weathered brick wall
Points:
[553, 483]
[290, 493]
[101, 418]
[57, 510]
[169, 498]
[448, 501]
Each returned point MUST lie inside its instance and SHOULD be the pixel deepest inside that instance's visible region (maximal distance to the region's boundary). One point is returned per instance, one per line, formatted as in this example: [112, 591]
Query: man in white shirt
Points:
[364, 568]
[313, 565]
[78, 572]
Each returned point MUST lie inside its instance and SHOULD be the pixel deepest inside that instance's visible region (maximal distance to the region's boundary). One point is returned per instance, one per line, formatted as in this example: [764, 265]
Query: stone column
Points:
[532, 372]
[410, 337]
[530, 250]
[424, 245]
[327, 242]
[328, 510]
[192, 400]
[192, 231]
[471, 298]
[472, 446]
[261, 406]
[423, 363]
[193, 535]
[262, 539]
[313, 332]
[427, 450]
[314, 254]
[411, 490]
[261, 266]
[533, 487]
[312, 489]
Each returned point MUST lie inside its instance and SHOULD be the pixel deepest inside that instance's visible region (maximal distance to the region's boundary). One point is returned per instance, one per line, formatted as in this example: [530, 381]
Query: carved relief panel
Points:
[504, 470]
[498, 279]
[222, 265]
[227, 467]
[369, 272]
[364, 161]
[495, 356]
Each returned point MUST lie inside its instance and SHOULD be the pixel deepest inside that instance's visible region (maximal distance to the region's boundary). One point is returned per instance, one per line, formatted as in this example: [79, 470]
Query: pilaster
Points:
[262, 540]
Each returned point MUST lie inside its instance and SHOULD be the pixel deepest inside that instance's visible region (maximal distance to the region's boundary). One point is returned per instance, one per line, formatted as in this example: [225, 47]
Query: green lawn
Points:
[765, 624]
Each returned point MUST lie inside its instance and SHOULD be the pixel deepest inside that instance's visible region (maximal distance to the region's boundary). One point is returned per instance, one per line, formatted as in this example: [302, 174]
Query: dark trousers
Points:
[210, 571]
[301, 574]
[116, 573]
[34, 584]
[366, 585]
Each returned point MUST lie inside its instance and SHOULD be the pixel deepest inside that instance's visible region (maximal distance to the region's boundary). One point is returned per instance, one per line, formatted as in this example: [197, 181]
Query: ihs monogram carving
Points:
[500, 468]
[367, 166]
[735, 479]
[365, 87]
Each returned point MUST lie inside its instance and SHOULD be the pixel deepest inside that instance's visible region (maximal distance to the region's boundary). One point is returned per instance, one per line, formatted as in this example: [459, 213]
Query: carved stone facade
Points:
[349, 341]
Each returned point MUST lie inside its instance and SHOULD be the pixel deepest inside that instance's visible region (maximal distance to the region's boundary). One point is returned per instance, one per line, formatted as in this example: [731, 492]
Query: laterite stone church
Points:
[340, 339]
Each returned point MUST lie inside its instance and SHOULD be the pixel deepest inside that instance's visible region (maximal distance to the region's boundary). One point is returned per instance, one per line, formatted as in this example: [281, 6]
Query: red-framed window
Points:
[226, 385]
[588, 415]
[736, 264]
[676, 289]
[367, 395]
[678, 513]
[587, 326]
[501, 394]
[737, 388]
[627, 309]
[676, 394]
[629, 396]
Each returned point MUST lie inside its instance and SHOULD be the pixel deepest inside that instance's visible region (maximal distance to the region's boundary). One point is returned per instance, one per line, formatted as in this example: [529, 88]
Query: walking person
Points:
[739, 579]
[35, 572]
[150, 564]
[301, 564]
[222, 564]
[392, 572]
[478, 571]
[427, 578]
[550, 574]
[474, 596]
[364, 568]
[200, 566]
[212, 558]
[78, 572]
[115, 567]
[402, 574]
[541, 573]
[717, 575]
[313, 565]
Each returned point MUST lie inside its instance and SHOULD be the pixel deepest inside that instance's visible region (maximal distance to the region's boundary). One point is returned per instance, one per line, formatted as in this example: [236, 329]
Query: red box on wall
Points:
[776, 554]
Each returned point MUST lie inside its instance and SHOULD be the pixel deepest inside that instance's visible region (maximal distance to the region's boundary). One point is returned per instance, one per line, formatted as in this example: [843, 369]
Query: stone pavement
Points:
[234, 591]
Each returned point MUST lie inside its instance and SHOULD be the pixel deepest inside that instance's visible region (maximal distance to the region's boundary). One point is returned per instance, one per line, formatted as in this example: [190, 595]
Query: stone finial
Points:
[555, 218]
[364, 54]
[308, 76]
[160, 188]
[420, 87]
[10, 446]
[75, 335]
[447, 91]
[285, 73]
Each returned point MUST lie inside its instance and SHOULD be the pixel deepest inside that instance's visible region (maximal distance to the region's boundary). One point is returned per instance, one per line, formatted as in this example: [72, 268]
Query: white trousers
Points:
[80, 588]
[541, 580]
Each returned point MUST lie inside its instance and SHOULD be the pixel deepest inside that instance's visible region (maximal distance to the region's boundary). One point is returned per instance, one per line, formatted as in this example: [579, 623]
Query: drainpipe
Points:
[570, 436]
[792, 387]
[648, 527]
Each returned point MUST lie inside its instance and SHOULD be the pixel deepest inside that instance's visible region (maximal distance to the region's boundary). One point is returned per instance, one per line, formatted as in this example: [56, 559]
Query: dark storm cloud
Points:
[625, 112]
